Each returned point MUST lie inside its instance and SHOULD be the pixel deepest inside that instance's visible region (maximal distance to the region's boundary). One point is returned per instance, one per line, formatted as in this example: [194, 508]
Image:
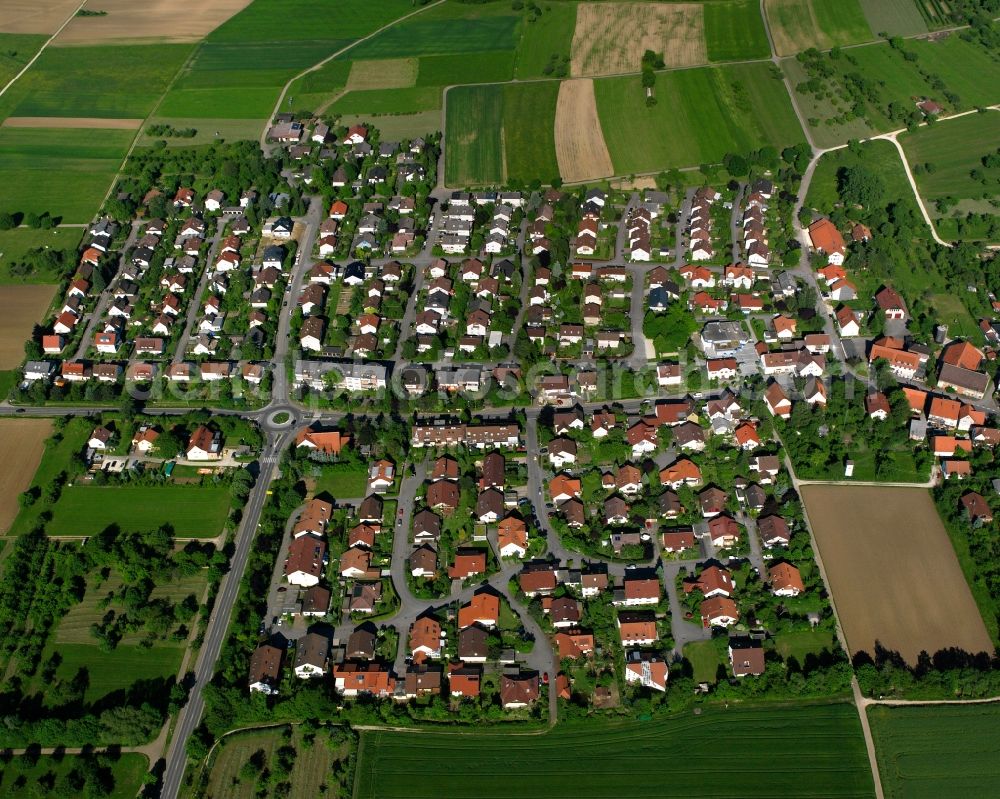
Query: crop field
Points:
[308, 20]
[21, 776]
[21, 447]
[384, 73]
[529, 121]
[671, 757]
[698, 118]
[892, 571]
[895, 17]
[21, 307]
[797, 25]
[388, 101]
[474, 149]
[735, 31]
[548, 35]
[312, 775]
[316, 89]
[117, 81]
[151, 20]
[65, 172]
[16, 50]
[955, 148]
[927, 752]
[447, 70]
[192, 511]
[581, 151]
[35, 16]
[437, 37]
[611, 38]
[118, 669]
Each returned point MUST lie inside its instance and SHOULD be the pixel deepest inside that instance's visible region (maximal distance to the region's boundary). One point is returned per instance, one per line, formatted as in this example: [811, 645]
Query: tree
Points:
[736, 165]
[858, 185]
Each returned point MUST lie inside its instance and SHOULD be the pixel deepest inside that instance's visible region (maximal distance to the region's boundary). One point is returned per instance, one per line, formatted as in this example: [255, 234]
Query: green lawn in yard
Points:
[895, 17]
[342, 481]
[120, 81]
[529, 118]
[65, 171]
[15, 243]
[548, 35]
[735, 31]
[704, 660]
[192, 511]
[808, 751]
[118, 669]
[699, 116]
[474, 149]
[800, 644]
[936, 751]
[20, 778]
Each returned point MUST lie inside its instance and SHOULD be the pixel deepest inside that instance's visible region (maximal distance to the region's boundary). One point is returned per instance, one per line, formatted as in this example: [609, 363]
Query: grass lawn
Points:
[342, 481]
[879, 156]
[65, 171]
[473, 148]
[208, 130]
[808, 751]
[446, 70]
[120, 81]
[955, 148]
[20, 778]
[313, 774]
[704, 660]
[895, 17]
[735, 31]
[802, 643]
[954, 313]
[15, 243]
[548, 35]
[529, 118]
[192, 511]
[700, 116]
[117, 670]
[423, 36]
[399, 126]
[935, 751]
[16, 50]
[389, 101]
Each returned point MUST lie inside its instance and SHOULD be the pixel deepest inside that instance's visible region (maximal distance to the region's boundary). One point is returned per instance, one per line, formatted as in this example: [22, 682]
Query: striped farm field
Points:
[474, 149]
[895, 17]
[700, 115]
[806, 751]
[529, 118]
[735, 31]
[797, 25]
[935, 751]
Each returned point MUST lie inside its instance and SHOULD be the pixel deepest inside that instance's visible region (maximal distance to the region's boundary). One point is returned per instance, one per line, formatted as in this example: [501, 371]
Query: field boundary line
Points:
[320, 64]
[41, 49]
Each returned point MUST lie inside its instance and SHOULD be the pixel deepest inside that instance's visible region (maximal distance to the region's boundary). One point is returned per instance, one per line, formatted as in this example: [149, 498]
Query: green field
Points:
[879, 156]
[436, 37]
[954, 148]
[550, 34]
[802, 643]
[447, 70]
[798, 25]
[735, 31]
[65, 171]
[21, 777]
[936, 751]
[342, 481]
[701, 114]
[389, 101]
[15, 243]
[118, 669]
[843, 21]
[895, 17]
[473, 148]
[815, 751]
[314, 89]
[308, 20]
[16, 50]
[123, 81]
[529, 118]
[704, 660]
[208, 130]
[192, 511]
[402, 126]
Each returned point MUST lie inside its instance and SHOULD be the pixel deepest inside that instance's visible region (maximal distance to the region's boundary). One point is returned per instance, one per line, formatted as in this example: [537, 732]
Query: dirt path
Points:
[41, 49]
[72, 122]
[580, 148]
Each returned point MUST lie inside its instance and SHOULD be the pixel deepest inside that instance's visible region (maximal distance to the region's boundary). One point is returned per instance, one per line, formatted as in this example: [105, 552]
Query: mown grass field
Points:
[308, 20]
[389, 101]
[119, 82]
[16, 242]
[342, 481]
[878, 156]
[529, 116]
[16, 50]
[797, 25]
[192, 511]
[118, 669]
[314, 89]
[936, 751]
[473, 149]
[812, 751]
[400, 126]
[550, 34]
[955, 148]
[312, 775]
[65, 171]
[447, 70]
[700, 115]
[895, 17]
[20, 776]
[421, 36]
[735, 31]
